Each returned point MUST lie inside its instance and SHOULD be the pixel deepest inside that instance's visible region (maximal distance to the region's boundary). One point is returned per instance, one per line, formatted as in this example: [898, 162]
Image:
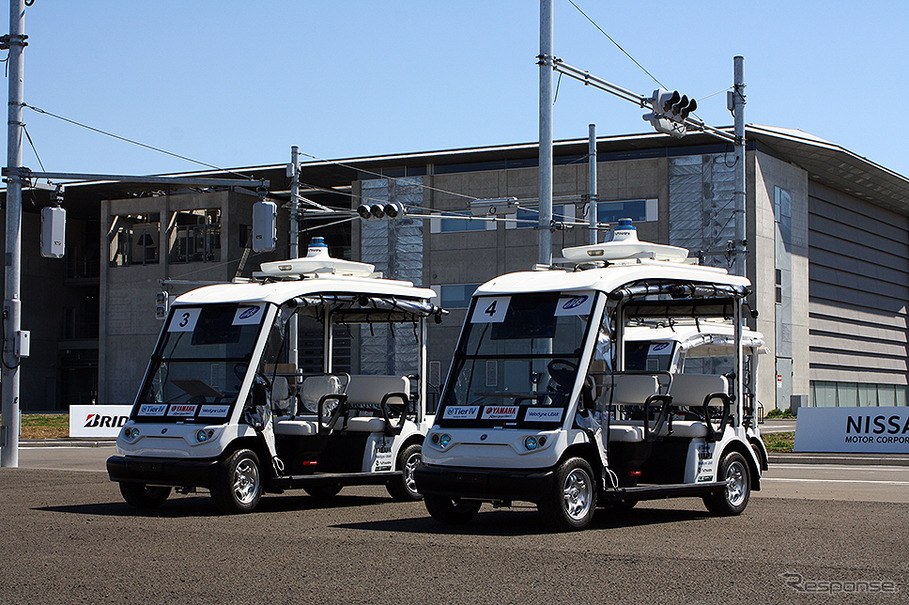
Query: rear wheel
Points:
[732, 500]
[238, 483]
[144, 496]
[572, 502]
[404, 488]
[451, 511]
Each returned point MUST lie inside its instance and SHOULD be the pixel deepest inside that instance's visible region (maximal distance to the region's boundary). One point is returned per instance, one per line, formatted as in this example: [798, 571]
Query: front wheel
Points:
[732, 500]
[572, 502]
[238, 483]
[404, 488]
[451, 511]
[144, 496]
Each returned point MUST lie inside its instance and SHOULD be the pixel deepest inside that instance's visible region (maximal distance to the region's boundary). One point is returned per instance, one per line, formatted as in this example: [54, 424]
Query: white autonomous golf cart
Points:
[627, 377]
[221, 409]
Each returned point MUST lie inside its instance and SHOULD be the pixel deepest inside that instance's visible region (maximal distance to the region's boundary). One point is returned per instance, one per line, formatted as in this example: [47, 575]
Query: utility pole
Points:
[738, 113]
[293, 352]
[545, 61]
[592, 181]
[12, 305]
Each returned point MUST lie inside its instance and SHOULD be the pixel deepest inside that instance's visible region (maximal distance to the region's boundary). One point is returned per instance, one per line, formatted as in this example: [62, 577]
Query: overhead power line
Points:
[127, 140]
[617, 45]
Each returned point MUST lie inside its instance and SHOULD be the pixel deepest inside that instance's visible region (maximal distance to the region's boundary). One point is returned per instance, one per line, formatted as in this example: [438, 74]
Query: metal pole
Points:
[293, 353]
[592, 181]
[738, 110]
[9, 443]
[545, 187]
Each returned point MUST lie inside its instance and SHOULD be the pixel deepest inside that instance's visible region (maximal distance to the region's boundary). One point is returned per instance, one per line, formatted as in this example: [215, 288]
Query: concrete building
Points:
[828, 234]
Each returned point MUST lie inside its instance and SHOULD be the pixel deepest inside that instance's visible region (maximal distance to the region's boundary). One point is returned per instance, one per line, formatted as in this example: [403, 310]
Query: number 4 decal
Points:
[490, 310]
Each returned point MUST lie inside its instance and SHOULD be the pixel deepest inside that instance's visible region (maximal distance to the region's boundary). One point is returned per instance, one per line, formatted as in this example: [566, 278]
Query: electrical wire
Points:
[619, 46]
[390, 178]
[35, 149]
[131, 141]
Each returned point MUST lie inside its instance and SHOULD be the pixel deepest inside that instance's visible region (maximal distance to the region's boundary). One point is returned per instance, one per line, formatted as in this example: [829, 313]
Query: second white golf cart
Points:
[221, 408]
[628, 377]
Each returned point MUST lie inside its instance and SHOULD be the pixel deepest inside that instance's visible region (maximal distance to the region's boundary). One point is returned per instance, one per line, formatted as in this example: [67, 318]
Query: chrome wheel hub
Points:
[246, 481]
[577, 494]
[736, 484]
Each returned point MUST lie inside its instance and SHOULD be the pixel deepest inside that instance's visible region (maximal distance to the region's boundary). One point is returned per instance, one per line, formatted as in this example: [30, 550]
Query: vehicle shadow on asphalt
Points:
[524, 521]
[202, 506]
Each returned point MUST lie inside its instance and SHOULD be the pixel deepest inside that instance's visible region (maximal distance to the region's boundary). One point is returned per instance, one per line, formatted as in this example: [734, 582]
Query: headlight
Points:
[444, 440]
[203, 435]
[131, 432]
[531, 443]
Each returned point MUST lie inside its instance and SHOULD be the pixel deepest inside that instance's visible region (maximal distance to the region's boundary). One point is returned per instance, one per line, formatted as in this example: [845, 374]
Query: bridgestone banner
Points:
[846, 430]
[102, 421]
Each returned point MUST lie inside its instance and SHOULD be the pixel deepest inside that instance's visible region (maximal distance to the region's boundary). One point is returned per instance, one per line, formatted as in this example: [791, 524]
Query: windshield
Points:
[200, 363]
[517, 360]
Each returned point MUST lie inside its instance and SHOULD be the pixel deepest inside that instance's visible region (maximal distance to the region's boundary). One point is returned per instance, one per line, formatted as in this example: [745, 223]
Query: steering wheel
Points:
[562, 372]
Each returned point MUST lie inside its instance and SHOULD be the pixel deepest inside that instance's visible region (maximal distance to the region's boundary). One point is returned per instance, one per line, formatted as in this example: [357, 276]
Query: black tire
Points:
[404, 488]
[323, 492]
[144, 496]
[732, 500]
[571, 504]
[451, 511]
[238, 483]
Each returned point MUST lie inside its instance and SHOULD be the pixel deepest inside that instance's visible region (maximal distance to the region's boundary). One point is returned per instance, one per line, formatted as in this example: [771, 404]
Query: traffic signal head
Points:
[391, 210]
[672, 105]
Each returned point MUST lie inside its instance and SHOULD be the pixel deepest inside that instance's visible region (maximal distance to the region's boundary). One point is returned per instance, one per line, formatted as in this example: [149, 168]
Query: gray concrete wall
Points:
[859, 275]
[780, 242]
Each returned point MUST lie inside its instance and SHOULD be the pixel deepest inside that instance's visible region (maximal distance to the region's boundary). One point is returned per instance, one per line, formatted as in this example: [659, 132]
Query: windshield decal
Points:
[467, 412]
[152, 409]
[660, 348]
[578, 304]
[184, 320]
[209, 410]
[248, 315]
[543, 415]
[182, 410]
[500, 412]
[490, 310]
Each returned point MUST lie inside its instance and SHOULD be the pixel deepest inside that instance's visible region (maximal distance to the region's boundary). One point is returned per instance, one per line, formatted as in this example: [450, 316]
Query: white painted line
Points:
[904, 469]
[834, 481]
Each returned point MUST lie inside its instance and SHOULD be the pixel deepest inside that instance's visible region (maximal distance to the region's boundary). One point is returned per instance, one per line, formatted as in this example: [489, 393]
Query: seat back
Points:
[691, 389]
[369, 390]
[315, 387]
[630, 389]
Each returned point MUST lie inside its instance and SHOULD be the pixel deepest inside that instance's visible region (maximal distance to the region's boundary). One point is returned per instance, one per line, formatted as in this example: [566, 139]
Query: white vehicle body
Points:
[220, 408]
[569, 388]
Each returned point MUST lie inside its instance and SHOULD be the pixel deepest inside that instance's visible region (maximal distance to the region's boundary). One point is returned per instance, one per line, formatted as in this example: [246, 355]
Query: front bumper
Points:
[484, 483]
[162, 471]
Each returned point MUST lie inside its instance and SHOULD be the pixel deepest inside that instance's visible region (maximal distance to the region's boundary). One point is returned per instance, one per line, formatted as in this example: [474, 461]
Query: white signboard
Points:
[97, 420]
[867, 430]
[490, 310]
[184, 320]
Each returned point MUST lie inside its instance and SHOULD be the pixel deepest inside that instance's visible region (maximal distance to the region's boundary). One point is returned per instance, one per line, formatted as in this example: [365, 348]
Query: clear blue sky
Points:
[237, 83]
